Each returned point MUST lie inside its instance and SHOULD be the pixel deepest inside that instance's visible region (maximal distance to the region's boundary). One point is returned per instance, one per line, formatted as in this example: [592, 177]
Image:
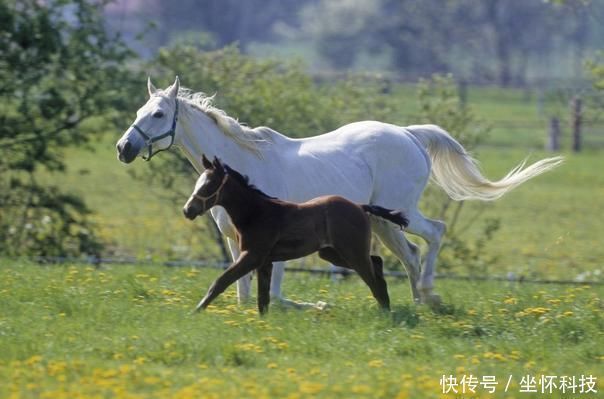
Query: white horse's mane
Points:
[248, 138]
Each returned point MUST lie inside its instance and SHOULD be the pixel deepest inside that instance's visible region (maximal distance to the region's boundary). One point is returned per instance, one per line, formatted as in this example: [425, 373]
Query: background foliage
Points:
[59, 70]
[495, 41]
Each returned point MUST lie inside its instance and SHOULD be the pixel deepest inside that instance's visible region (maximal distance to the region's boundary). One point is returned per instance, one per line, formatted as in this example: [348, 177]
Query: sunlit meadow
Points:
[129, 332]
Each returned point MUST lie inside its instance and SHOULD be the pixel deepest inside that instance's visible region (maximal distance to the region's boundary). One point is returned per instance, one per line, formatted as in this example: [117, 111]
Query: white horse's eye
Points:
[158, 114]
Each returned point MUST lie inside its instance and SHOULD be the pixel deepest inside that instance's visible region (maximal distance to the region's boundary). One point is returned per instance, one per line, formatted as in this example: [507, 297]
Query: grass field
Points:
[128, 332]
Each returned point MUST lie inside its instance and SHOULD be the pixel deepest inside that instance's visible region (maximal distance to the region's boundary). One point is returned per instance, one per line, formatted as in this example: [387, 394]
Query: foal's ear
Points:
[218, 164]
[206, 162]
[152, 90]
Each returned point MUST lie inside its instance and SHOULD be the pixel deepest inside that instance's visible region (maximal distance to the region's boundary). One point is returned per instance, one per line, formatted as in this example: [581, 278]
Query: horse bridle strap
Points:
[150, 140]
[216, 193]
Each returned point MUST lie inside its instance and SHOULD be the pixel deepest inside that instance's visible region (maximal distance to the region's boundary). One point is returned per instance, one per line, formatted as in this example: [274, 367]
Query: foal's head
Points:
[208, 189]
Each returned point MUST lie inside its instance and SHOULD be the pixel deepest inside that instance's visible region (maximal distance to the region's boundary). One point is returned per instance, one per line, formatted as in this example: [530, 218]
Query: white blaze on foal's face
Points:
[196, 206]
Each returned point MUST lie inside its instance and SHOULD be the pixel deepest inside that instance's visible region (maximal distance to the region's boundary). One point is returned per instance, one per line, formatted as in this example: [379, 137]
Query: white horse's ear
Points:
[152, 90]
[174, 88]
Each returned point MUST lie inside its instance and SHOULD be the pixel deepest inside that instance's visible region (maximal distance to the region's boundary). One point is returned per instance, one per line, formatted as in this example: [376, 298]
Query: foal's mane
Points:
[245, 181]
[246, 137]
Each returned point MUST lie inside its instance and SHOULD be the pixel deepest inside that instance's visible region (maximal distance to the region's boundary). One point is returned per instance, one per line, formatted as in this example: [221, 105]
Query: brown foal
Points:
[269, 229]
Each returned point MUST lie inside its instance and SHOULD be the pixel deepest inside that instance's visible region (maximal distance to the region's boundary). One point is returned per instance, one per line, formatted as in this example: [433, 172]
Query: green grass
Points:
[549, 227]
[128, 332]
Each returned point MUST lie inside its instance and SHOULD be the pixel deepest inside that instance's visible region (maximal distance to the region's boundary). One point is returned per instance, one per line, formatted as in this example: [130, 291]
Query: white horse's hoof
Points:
[430, 298]
[301, 305]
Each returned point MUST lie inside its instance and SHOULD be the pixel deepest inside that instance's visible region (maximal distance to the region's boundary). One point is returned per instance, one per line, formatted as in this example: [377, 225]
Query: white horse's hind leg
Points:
[277, 279]
[407, 252]
[432, 231]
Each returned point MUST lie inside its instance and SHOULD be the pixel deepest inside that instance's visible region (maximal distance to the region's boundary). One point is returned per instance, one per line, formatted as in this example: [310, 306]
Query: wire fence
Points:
[314, 270]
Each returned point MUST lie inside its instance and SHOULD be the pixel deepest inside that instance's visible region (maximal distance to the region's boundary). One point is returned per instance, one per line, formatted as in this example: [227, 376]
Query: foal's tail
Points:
[457, 172]
[396, 217]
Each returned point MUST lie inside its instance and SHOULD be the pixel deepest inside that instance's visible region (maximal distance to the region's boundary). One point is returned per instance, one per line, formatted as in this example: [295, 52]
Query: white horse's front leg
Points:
[222, 219]
[244, 284]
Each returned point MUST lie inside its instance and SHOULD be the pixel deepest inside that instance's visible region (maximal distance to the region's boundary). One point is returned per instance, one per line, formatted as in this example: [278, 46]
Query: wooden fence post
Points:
[553, 142]
[462, 92]
[576, 123]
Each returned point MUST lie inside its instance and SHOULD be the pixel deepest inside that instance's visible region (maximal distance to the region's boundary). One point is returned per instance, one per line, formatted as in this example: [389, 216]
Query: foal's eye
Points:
[158, 114]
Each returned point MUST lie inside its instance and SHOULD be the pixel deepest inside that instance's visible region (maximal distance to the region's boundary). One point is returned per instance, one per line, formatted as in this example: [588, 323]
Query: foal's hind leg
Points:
[364, 266]
[378, 270]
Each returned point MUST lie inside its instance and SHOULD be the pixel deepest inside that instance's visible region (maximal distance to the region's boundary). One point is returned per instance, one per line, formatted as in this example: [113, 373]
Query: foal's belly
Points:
[292, 248]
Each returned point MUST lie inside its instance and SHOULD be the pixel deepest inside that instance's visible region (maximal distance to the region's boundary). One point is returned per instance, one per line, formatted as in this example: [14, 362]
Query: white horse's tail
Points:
[457, 172]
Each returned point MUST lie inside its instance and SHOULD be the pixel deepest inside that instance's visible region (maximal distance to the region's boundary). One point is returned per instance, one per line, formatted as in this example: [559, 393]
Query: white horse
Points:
[367, 162]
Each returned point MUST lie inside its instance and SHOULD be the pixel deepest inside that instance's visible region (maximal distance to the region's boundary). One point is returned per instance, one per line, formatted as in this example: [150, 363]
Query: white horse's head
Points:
[155, 125]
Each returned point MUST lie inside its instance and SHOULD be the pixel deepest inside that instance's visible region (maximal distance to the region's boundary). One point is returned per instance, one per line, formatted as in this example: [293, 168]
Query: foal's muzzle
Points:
[190, 212]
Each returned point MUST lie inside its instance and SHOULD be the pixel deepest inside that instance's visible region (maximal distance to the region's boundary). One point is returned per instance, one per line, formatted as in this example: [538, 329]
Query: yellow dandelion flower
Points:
[361, 389]
[403, 395]
[376, 363]
[125, 369]
[311, 388]
[271, 365]
[33, 360]
[151, 380]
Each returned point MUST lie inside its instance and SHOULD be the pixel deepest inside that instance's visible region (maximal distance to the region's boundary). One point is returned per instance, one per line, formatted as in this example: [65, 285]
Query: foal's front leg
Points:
[243, 265]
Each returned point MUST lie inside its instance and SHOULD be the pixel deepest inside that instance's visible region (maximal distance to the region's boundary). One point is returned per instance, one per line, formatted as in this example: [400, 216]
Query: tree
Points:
[493, 40]
[59, 70]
